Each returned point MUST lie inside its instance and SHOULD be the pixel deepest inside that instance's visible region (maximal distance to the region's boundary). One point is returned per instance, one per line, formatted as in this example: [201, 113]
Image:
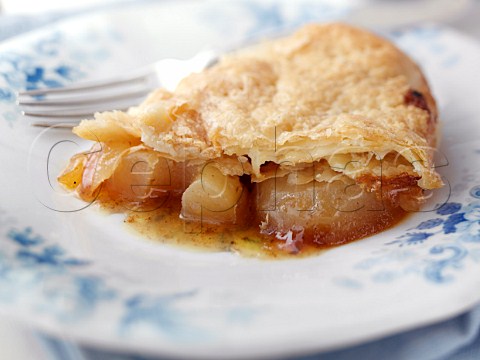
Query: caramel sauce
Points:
[164, 226]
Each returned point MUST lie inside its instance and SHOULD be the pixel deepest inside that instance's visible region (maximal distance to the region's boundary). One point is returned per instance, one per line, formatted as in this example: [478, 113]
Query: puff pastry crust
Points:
[330, 96]
[325, 90]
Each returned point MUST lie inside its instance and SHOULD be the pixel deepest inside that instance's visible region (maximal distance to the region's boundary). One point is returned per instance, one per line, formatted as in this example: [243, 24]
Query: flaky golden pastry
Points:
[324, 136]
[327, 89]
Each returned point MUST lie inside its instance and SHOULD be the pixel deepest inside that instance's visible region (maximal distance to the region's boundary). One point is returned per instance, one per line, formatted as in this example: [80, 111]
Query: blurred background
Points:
[461, 14]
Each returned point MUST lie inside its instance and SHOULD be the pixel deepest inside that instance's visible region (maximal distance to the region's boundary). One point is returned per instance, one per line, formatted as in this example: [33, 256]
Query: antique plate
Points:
[71, 271]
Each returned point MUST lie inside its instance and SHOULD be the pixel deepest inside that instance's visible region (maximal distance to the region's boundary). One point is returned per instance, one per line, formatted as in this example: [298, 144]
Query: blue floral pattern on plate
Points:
[45, 64]
[38, 268]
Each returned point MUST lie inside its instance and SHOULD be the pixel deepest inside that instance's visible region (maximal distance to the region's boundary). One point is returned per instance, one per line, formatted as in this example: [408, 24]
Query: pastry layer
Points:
[325, 90]
[321, 137]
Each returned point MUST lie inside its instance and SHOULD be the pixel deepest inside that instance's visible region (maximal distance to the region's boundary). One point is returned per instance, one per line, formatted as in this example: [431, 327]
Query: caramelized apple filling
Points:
[303, 204]
[325, 213]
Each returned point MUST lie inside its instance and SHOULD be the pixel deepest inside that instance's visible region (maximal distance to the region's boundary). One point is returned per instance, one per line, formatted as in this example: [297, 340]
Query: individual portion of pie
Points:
[323, 137]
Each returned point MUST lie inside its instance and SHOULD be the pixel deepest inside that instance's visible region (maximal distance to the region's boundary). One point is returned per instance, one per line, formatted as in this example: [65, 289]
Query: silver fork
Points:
[64, 107]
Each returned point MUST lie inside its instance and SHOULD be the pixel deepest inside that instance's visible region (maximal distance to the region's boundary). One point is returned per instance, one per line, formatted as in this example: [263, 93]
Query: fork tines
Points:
[78, 101]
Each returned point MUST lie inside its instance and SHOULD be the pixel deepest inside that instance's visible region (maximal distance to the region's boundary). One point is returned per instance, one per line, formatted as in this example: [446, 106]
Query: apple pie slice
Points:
[321, 137]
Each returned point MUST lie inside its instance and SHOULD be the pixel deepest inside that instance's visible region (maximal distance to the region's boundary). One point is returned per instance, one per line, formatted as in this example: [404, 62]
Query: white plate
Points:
[82, 275]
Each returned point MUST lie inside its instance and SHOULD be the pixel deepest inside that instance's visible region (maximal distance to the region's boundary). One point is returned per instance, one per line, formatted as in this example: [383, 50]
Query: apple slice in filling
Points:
[216, 198]
[326, 213]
